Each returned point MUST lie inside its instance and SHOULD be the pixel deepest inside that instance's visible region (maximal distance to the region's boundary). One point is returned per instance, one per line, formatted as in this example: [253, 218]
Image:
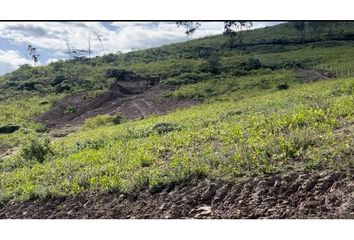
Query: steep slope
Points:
[270, 132]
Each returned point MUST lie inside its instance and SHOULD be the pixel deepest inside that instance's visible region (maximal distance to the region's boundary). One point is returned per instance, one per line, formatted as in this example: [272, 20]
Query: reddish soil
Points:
[289, 195]
[128, 101]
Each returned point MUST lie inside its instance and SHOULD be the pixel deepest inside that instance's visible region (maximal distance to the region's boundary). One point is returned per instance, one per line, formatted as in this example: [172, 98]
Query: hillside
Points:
[194, 129]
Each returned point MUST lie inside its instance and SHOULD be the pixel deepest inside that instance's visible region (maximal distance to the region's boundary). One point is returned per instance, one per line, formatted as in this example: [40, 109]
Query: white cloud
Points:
[50, 37]
[51, 60]
[10, 60]
[122, 36]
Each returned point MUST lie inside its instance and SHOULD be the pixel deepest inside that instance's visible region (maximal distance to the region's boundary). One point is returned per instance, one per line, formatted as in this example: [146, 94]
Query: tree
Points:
[213, 65]
[233, 30]
[68, 48]
[78, 54]
[99, 38]
[32, 51]
[316, 29]
[89, 46]
[190, 26]
[301, 29]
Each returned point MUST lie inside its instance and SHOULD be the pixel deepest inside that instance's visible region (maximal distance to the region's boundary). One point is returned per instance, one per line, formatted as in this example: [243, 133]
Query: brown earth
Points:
[287, 195]
[130, 101]
[310, 75]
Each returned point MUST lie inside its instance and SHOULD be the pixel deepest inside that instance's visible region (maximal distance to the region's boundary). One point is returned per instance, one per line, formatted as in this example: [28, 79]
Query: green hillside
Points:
[273, 104]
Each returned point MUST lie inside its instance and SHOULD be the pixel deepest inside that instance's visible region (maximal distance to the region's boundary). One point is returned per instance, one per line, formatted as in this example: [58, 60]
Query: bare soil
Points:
[71, 112]
[310, 75]
[287, 195]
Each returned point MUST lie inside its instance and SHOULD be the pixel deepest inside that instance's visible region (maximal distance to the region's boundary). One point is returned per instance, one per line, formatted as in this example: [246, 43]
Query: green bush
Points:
[58, 80]
[100, 120]
[103, 120]
[36, 149]
[70, 109]
[283, 86]
[62, 87]
[119, 74]
[117, 119]
[166, 127]
[213, 65]
[252, 63]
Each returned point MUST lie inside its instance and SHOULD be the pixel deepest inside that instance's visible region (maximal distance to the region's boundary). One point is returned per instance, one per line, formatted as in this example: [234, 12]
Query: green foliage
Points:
[70, 109]
[259, 134]
[119, 74]
[62, 87]
[283, 86]
[117, 119]
[103, 120]
[213, 65]
[99, 120]
[36, 149]
[244, 127]
[58, 80]
[165, 127]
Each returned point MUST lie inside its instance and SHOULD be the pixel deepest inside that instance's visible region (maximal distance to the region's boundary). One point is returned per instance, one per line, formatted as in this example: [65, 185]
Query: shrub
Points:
[64, 86]
[36, 149]
[252, 63]
[58, 80]
[188, 78]
[70, 109]
[213, 65]
[98, 121]
[103, 120]
[117, 119]
[283, 86]
[29, 86]
[119, 74]
[166, 127]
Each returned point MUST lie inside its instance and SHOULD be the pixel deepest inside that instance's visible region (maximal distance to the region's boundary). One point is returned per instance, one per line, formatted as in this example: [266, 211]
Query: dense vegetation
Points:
[258, 115]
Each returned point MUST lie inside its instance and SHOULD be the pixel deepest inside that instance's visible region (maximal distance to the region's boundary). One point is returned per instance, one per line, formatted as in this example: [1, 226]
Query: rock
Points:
[203, 211]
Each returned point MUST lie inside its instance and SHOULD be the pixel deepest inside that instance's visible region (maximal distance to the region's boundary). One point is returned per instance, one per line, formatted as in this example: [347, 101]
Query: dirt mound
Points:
[310, 75]
[290, 195]
[132, 102]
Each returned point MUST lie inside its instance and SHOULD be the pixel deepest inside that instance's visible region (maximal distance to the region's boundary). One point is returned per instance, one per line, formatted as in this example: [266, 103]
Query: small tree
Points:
[190, 26]
[233, 30]
[32, 51]
[316, 29]
[301, 29]
[99, 38]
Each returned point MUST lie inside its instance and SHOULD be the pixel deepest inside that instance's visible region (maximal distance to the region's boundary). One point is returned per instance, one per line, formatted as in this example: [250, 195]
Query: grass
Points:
[21, 111]
[246, 126]
[293, 129]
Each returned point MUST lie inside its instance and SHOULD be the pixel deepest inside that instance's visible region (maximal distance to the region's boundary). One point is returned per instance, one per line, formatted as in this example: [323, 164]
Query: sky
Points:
[51, 38]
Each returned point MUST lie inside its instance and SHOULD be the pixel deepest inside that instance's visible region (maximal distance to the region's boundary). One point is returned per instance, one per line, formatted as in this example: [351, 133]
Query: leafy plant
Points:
[36, 149]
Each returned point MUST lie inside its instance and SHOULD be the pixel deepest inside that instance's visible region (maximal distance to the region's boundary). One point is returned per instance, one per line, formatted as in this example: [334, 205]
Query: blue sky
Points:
[50, 38]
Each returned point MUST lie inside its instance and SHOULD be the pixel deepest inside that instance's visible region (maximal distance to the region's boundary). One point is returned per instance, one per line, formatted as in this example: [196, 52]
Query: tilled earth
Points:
[290, 195]
[129, 105]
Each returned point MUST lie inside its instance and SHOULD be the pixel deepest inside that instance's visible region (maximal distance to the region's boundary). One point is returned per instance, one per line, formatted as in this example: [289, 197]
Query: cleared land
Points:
[262, 131]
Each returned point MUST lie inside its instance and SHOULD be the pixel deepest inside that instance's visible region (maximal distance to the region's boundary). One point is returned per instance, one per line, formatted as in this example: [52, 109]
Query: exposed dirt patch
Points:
[7, 151]
[71, 112]
[290, 195]
[309, 75]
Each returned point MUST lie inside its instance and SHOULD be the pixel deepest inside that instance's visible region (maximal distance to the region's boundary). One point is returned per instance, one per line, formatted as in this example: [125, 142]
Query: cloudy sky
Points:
[50, 38]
